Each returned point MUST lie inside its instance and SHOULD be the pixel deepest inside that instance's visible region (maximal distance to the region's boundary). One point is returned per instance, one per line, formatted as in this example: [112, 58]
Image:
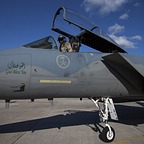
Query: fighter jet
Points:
[42, 70]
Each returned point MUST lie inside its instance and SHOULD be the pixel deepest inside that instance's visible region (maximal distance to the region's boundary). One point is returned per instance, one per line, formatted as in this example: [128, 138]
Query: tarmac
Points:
[68, 121]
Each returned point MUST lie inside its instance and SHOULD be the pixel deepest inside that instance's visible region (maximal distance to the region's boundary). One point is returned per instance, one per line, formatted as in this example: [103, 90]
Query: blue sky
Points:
[24, 21]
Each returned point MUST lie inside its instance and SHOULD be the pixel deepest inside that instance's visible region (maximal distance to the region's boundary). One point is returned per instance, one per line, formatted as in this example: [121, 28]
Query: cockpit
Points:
[71, 24]
[79, 31]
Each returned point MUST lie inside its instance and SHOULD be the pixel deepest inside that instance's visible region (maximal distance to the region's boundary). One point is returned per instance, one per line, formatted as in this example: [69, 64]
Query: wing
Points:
[125, 68]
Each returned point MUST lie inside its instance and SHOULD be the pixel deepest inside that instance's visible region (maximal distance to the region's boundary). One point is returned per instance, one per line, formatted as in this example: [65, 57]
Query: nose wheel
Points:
[108, 133]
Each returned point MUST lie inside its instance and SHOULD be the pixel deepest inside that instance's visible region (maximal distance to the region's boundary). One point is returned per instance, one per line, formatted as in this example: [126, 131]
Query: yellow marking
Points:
[128, 140]
[56, 81]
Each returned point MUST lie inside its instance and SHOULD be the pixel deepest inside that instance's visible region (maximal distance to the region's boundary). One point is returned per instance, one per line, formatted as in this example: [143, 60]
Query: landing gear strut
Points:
[108, 133]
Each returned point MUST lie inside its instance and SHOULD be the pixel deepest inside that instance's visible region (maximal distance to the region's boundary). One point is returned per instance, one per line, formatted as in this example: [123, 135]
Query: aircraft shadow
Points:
[129, 115]
[72, 118]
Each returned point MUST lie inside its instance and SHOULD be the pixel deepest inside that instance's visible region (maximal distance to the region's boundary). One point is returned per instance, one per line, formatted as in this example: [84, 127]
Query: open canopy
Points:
[70, 24]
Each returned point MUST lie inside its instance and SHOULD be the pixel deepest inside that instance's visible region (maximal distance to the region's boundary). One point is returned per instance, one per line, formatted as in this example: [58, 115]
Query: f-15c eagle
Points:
[41, 70]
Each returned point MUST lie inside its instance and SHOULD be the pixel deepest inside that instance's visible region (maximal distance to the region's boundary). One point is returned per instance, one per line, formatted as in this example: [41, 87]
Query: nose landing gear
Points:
[108, 133]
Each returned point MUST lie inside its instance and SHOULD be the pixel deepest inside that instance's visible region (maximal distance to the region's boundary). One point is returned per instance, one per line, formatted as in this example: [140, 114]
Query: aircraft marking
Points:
[63, 61]
[15, 68]
[56, 81]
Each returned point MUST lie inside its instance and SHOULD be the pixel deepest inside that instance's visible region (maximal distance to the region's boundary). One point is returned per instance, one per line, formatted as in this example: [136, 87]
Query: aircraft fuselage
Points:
[27, 73]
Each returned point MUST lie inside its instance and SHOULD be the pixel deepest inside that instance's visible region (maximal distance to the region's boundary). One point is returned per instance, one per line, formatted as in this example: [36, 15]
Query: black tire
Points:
[32, 100]
[106, 136]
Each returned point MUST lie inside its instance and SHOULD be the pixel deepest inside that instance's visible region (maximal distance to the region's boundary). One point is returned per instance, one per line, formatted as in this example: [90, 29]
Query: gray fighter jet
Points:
[41, 70]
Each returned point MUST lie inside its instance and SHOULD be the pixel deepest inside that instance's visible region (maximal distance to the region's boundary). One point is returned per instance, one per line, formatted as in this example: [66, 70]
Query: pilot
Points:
[64, 45]
[75, 44]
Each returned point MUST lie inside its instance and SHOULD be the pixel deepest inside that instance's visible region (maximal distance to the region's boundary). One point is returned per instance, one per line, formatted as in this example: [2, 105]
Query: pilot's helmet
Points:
[62, 38]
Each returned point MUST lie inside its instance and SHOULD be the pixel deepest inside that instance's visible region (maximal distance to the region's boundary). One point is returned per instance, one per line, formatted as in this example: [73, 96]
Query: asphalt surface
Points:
[68, 121]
